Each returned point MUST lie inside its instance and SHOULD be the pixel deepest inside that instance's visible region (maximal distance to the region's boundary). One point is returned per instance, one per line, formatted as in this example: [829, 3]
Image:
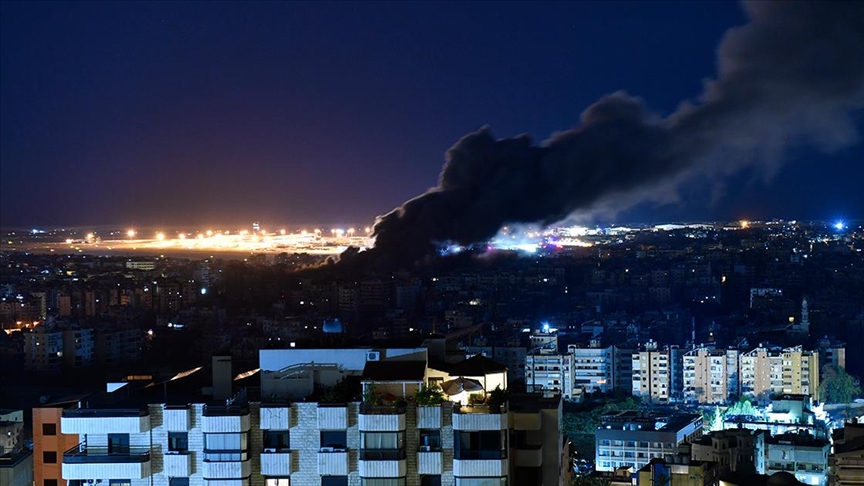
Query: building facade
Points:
[710, 375]
[632, 439]
[766, 372]
[657, 374]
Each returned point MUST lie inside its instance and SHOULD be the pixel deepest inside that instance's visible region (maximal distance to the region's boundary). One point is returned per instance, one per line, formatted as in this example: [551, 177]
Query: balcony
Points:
[380, 418]
[480, 467]
[178, 464]
[225, 419]
[228, 469]
[480, 417]
[82, 462]
[382, 463]
[528, 456]
[275, 417]
[177, 419]
[104, 421]
[276, 462]
[429, 462]
[332, 416]
[333, 463]
[429, 417]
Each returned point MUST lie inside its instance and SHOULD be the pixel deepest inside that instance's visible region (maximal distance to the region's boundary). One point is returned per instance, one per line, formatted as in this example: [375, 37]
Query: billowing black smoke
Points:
[794, 73]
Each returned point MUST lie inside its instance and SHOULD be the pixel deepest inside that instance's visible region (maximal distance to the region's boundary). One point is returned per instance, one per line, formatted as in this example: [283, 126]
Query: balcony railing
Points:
[469, 455]
[104, 412]
[82, 454]
[487, 409]
[225, 410]
[382, 454]
[369, 409]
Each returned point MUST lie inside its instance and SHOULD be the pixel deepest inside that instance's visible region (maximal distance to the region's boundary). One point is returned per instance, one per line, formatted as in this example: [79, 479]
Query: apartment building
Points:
[675, 471]
[766, 372]
[632, 438]
[49, 444]
[739, 450]
[846, 463]
[593, 368]
[710, 375]
[803, 455]
[359, 426]
[547, 370]
[16, 462]
[657, 376]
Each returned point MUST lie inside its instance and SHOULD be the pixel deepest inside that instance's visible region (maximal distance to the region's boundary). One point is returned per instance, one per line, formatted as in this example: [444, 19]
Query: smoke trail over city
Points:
[793, 74]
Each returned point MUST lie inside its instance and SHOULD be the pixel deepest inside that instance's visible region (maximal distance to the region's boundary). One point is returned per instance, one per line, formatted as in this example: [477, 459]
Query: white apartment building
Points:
[548, 371]
[632, 438]
[657, 373]
[593, 368]
[710, 375]
[383, 440]
[800, 454]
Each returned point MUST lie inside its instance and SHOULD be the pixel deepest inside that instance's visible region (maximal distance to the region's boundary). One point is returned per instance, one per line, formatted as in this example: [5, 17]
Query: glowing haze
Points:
[792, 75]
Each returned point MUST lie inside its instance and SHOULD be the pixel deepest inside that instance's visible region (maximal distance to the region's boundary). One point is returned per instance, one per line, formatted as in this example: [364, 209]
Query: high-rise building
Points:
[49, 444]
[766, 372]
[594, 367]
[710, 375]
[546, 370]
[657, 374]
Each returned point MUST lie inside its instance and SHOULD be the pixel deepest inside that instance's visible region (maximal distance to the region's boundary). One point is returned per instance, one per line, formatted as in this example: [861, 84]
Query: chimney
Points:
[222, 379]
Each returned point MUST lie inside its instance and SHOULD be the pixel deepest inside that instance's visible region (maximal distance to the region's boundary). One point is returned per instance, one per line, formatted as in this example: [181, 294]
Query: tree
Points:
[742, 408]
[582, 424]
[837, 386]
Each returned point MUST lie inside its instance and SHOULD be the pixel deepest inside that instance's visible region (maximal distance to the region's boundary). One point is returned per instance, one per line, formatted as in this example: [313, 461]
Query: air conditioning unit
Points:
[269, 450]
[373, 356]
[425, 448]
[326, 449]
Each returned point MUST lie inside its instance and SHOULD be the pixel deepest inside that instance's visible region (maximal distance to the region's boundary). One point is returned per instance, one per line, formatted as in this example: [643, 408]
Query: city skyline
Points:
[170, 114]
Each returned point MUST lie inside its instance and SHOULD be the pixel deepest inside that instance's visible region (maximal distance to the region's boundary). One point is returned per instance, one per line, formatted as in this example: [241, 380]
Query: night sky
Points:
[298, 113]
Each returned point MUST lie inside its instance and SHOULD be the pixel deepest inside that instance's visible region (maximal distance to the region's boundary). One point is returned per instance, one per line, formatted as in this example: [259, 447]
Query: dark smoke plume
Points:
[794, 73]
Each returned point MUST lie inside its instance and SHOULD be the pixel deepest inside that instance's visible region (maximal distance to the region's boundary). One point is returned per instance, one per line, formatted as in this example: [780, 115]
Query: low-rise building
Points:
[632, 438]
[740, 450]
[803, 455]
[16, 461]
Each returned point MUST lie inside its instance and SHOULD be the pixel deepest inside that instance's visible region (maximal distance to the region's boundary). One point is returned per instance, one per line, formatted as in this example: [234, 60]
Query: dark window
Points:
[49, 429]
[430, 480]
[49, 482]
[49, 457]
[277, 440]
[335, 439]
[430, 440]
[334, 481]
[485, 444]
[118, 444]
[178, 441]
[178, 482]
